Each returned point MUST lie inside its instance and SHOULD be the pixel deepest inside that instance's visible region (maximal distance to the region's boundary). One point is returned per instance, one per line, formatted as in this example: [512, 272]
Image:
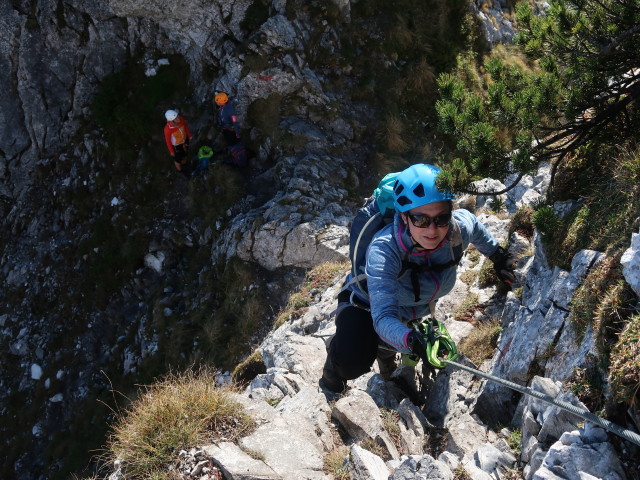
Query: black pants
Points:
[229, 136]
[180, 154]
[354, 347]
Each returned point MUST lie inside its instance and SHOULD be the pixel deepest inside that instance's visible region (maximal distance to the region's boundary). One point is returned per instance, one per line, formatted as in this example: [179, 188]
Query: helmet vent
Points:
[419, 191]
[398, 188]
[402, 201]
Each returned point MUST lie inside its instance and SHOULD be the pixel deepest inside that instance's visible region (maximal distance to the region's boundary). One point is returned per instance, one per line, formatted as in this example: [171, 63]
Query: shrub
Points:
[547, 223]
[178, 412]
[522, 222]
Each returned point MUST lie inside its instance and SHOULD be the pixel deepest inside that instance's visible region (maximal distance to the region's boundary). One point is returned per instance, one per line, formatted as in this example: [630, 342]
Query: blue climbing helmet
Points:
[416, 186]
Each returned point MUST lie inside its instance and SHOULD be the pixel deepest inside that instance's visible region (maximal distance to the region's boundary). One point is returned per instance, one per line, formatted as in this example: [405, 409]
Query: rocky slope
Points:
[452, 426]
[447, 427]
[103, 263]
[108, 264]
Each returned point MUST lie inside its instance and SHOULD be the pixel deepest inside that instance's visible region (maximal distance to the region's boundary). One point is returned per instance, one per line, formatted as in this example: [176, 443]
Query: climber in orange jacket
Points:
[178, 138]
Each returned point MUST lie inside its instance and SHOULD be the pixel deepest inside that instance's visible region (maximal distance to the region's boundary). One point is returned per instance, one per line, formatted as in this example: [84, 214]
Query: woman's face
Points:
[429, 237]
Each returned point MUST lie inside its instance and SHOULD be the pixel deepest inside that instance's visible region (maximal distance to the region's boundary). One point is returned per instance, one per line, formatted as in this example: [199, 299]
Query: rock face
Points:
[631, 263]
[62, 343]
[61, 187]
[554, 443]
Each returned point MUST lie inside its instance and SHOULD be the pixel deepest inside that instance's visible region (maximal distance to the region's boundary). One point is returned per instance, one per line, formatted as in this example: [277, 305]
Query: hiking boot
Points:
[329, 394]
[331, 380]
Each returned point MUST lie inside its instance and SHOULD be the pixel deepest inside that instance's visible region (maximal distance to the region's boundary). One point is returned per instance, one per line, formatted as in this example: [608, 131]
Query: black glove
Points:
[418, 345]
[504, 265]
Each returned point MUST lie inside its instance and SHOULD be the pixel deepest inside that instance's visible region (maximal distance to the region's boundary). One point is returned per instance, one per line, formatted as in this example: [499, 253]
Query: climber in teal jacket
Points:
[425, 232]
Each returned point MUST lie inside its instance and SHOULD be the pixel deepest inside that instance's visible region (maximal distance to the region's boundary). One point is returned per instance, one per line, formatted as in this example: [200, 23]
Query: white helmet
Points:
[171, 115]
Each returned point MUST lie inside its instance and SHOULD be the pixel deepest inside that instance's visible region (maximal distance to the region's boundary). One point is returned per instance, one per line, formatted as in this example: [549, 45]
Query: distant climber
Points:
[202, 160]
[226, 118]
[178, 138]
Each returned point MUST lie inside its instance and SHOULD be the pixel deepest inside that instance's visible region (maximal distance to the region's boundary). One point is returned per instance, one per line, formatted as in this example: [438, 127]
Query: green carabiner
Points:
[440, 345]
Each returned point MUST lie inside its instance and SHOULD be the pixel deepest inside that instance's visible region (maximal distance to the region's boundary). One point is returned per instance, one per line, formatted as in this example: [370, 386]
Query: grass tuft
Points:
[392, 135]
[466, 309]
[249, 368]
[624, 371]
[317, 279]
[336, 463]
[482, 341]
[178, 412]
[522, 222]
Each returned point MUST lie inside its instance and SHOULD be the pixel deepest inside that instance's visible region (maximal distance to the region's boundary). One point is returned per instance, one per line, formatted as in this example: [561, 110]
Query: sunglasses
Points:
[422, 221]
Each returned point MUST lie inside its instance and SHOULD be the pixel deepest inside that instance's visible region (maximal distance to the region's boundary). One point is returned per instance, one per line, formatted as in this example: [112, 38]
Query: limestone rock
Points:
[576, 455]
[631, 263]
[421, 467]
[360, 417]
[366, 465]
[235, 463]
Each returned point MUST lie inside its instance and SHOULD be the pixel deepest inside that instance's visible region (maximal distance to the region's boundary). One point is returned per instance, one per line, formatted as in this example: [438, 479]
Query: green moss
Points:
[249, 368]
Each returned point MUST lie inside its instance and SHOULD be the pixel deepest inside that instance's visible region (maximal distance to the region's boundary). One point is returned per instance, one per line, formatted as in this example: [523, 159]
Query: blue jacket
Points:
[227, 118]
[392, 298]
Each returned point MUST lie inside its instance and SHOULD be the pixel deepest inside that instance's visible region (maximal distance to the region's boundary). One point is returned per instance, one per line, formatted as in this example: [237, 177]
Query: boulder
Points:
[630, 262]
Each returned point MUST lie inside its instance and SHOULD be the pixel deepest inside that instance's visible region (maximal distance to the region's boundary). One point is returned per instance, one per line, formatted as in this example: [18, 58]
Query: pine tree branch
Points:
[606, 51]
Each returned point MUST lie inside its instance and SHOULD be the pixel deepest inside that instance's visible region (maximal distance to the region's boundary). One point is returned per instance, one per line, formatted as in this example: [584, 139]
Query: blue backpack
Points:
[377, 212]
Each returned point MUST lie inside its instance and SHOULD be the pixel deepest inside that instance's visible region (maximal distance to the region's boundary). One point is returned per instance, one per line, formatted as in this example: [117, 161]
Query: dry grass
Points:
[392, 135]
[178, 412]
[336, 463]
[390, 421]
[421, 79]
[465, 310]
[317, 279]
[481, 343]
[469, 276]
[624, 371]
[400, 34]
[383, 163]
[375, 448]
